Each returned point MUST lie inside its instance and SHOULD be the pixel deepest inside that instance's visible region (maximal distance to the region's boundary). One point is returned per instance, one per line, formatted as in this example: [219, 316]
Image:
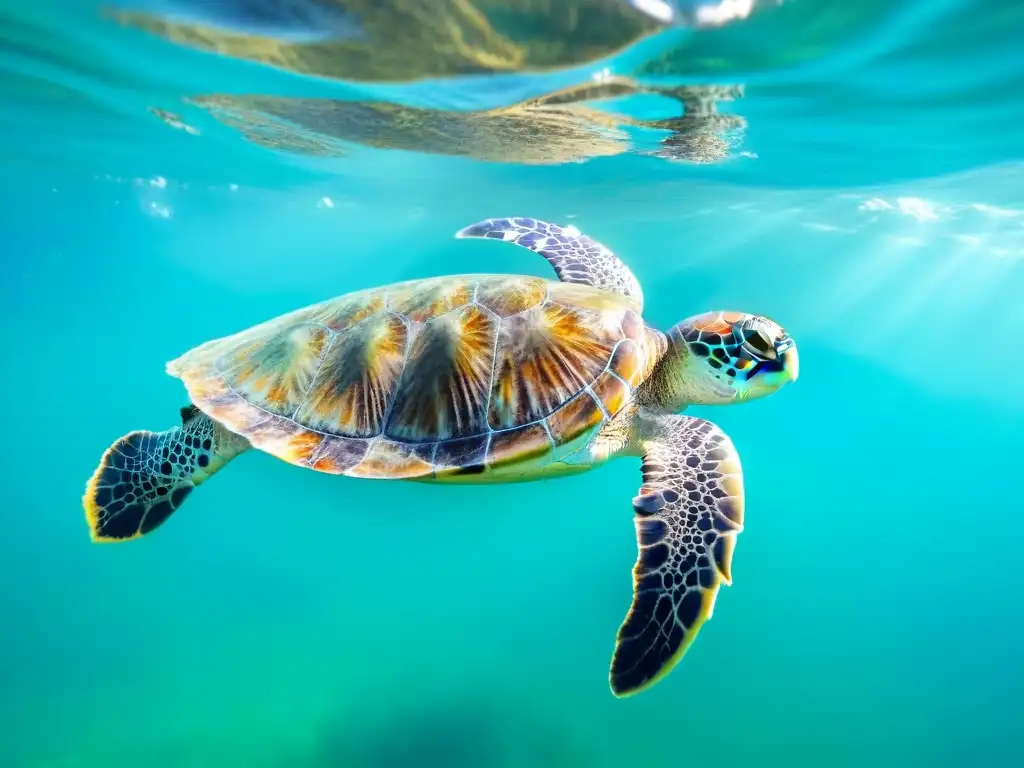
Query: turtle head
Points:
[728, 357]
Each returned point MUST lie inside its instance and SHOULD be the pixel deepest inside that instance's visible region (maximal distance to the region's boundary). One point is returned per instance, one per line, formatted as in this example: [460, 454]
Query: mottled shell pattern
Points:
[430, 378]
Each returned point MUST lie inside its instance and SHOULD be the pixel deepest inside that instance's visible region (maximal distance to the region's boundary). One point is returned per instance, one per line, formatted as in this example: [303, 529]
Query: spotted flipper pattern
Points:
[575, 257]
[145, 476]
[687, 516]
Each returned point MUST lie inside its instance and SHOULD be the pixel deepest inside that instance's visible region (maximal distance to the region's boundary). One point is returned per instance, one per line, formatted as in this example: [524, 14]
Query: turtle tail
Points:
[145, 476]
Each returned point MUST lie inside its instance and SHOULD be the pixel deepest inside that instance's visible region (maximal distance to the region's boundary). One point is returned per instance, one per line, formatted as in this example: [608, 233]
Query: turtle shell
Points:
[429, 378]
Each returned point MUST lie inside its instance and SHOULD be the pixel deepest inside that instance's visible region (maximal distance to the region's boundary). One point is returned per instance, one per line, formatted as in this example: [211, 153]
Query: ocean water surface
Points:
[176, 171]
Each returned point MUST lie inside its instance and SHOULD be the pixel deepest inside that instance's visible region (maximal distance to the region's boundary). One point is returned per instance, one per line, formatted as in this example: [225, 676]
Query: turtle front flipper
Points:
[687, 516]
[145, 476]
[575, 257]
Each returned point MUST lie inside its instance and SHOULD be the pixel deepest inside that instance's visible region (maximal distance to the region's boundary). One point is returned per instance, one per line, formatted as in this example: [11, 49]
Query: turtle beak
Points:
[773, 374]
[790, 359]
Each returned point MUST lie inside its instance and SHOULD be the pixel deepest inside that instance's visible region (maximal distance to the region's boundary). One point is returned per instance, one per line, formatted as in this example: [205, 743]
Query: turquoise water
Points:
[872, 203]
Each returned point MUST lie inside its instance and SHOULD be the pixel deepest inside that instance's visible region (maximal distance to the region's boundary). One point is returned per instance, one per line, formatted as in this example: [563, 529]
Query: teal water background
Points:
[285, 618]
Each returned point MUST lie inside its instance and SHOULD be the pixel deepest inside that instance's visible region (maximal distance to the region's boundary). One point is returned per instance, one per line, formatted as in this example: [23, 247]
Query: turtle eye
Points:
[757, 343]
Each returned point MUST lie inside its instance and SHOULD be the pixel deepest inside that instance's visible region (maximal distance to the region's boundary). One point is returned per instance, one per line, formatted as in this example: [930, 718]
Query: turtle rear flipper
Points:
[145, 476]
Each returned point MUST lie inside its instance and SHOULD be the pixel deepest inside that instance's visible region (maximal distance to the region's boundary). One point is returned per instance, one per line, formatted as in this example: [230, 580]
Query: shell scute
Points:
[581, 296]
[465, 456]
[633, 326]
[337, 455]
[283, 438]
[229, 407]
[612, 391]
[357, 379]
[545, 356]
[341, 314]
[582, 413]
[387, 458]
[421, 300]
[302, 445]
[506, 296]
[523, 444]
[275, 372]
[628, 361]
[443, 392]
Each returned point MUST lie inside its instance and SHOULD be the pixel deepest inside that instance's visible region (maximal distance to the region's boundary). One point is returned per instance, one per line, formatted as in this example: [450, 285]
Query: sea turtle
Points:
[485, 378]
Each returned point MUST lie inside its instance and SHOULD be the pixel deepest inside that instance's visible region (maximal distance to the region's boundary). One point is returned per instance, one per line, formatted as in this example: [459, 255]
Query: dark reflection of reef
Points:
[701, 134]
[457, 733]
[406, 40]
[556, 128]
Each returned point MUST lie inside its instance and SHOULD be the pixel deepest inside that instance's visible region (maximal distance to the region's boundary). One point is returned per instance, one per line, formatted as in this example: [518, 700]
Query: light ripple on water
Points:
[787, 96]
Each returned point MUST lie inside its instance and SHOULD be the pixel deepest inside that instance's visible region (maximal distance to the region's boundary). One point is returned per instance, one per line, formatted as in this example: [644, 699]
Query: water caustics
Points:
[405, 42]
[793, 86]
[554, 128]
[844, 114]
